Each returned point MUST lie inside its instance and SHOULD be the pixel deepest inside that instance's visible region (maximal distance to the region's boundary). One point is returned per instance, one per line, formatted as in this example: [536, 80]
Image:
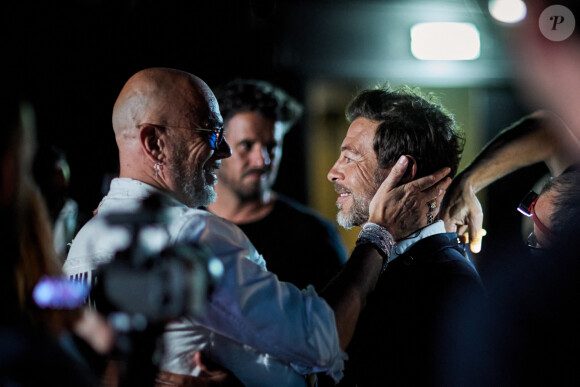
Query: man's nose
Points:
[335, 173]
[260, 156]
[223, 150]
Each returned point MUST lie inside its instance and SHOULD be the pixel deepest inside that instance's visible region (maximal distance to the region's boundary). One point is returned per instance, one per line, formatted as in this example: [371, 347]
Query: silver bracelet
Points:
[379, 237]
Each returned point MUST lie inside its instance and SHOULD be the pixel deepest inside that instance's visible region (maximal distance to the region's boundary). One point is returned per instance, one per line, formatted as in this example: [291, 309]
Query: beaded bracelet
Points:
[380, 238]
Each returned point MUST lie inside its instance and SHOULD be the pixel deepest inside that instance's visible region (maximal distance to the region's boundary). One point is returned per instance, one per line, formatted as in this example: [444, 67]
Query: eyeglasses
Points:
[216, 136]
[532, 242]
[527, 207]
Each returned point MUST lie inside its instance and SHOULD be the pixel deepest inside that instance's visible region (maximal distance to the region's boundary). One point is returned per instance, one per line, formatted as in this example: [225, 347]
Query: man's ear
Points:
[411, 170]
[152, 142]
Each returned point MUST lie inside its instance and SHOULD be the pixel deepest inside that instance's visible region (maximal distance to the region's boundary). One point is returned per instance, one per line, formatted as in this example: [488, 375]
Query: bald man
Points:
[169, 133]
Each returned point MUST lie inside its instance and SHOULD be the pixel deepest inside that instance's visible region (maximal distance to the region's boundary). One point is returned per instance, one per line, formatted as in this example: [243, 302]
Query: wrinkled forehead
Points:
[360, 135]
[195, 104]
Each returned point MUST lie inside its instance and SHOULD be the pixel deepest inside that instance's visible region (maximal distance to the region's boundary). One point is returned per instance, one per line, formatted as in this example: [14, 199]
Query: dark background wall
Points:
[72, 57]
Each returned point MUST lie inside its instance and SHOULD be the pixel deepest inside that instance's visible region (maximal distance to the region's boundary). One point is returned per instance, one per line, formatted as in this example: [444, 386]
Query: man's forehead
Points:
[208, 116]
[212, 104]
[360, 135]
[203, 104]
[212, 121]
[362, 125]
[253, 125]
[349, 148]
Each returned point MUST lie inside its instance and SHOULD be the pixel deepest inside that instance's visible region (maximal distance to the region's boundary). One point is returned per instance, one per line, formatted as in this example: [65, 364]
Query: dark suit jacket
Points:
[406, 331]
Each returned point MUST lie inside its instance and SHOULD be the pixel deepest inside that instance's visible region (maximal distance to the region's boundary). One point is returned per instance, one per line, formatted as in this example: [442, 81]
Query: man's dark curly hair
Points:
[248, 95]
[410, 124]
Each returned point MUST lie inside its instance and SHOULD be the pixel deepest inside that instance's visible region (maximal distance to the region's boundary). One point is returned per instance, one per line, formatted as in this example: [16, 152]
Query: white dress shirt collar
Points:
[404, 245]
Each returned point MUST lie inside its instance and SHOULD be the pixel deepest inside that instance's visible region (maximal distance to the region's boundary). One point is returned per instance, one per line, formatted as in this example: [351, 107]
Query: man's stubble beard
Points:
[245, 192]
[359, 212]
[192, 186]
[357, 215]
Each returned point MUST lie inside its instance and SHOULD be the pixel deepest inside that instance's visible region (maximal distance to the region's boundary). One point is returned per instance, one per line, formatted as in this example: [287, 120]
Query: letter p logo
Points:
[557, 23]
[557, 20]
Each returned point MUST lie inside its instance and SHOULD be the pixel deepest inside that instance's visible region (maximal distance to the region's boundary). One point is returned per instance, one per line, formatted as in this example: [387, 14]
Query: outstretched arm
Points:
[535, 138]
[401, 210]
[297, 325]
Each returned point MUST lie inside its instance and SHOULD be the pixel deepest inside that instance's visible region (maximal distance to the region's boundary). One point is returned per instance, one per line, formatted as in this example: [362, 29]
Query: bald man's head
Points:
[163, 121]
[166, 97]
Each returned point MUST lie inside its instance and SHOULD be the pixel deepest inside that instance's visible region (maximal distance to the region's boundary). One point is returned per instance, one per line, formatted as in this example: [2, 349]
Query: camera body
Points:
[152, 285]
[157, 286]
[141, 289]
[174, 283]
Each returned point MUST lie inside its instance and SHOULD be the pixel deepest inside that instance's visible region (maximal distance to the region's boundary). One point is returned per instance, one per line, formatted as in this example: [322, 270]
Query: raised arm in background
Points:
[540, 136]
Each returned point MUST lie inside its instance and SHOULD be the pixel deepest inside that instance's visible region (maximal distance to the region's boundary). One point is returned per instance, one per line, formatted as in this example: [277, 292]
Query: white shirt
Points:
[265, 331]
[404, 245]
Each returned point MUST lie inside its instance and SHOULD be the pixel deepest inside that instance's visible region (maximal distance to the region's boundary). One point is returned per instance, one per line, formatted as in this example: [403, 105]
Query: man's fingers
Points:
[197, 359]
[435, 192]
[396, 174]
[475, 240]
[205, 364]
[475, 246]
[449, 225]
[428, 181]
[440, 190]
[476, 231]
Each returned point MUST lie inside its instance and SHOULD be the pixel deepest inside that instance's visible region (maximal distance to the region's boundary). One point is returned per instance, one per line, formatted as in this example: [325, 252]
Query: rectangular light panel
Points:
[445, 41]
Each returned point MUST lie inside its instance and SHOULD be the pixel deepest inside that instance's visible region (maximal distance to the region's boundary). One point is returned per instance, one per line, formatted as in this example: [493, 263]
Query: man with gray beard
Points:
[402, 332]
